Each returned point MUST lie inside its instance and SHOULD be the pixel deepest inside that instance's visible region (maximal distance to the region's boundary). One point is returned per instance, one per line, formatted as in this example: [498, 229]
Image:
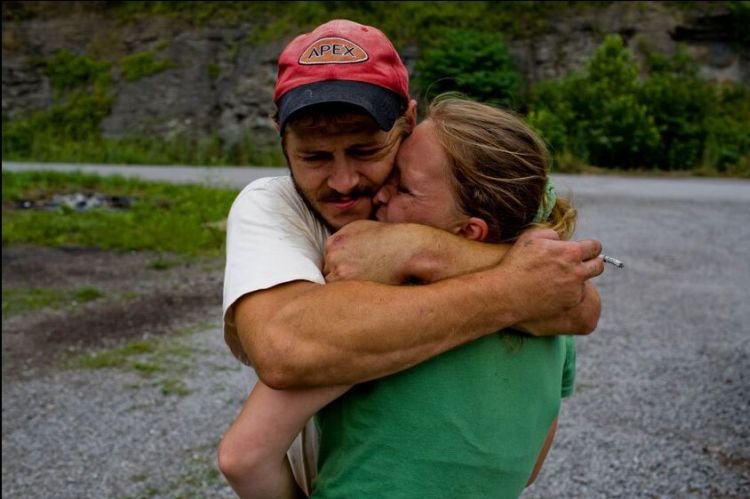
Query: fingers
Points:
[590, 248]
[593, 267]
[539, 234]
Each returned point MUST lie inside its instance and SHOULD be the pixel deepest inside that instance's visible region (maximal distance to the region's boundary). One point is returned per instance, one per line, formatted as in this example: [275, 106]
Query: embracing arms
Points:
[305, 334]
[380, 252]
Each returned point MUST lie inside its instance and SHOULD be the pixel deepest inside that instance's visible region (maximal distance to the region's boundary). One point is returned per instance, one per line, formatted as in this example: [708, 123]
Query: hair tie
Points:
[548, 202]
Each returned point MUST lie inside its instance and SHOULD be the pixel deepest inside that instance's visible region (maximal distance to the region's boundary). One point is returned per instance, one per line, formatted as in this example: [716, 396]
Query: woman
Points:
[474, 422]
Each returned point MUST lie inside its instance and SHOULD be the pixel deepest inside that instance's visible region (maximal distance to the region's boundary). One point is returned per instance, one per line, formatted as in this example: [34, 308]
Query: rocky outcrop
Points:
[570, 39]
[219, 83]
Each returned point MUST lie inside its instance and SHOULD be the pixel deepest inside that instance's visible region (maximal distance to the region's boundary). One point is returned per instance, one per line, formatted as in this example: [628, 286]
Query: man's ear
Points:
[475, 229]
[411, 112]
[277, 126]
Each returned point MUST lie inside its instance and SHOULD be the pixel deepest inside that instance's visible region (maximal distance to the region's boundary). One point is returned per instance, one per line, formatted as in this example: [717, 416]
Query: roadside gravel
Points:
[662, 407]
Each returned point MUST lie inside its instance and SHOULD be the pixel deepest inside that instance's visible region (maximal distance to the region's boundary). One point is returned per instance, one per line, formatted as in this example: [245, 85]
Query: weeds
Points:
[19, 300]
[164, 218]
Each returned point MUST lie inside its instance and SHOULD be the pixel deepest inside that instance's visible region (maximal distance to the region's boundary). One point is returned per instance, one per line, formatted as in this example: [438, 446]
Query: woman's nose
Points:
[384, 194]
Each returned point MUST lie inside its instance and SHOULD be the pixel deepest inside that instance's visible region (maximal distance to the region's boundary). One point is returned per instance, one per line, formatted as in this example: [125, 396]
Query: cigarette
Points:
[614, 261]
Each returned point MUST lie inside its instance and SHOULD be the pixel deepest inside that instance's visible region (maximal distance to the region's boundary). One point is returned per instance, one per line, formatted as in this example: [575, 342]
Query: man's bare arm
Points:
[303, 334]
[395, 253]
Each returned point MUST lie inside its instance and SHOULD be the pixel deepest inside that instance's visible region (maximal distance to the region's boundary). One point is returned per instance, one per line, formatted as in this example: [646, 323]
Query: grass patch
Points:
[159, 360]
[16, 301]
[198, 477]
[147, 369]
[161, 263]
[86, 294]
[117, 357]
[164, 218]
[27, 140]
[20, 300]
[173, 386]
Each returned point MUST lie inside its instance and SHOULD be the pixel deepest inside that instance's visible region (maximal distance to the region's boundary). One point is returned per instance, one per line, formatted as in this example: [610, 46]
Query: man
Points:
[297, 332]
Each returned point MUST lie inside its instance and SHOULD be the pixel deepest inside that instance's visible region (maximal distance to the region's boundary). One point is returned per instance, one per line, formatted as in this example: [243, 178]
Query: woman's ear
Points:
[474, 228]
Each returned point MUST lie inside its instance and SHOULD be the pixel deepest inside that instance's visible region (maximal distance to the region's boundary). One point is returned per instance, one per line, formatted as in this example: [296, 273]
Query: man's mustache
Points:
[332, 196]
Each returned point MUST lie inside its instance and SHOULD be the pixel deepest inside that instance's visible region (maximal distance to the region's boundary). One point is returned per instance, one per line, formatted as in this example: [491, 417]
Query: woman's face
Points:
[419, 190]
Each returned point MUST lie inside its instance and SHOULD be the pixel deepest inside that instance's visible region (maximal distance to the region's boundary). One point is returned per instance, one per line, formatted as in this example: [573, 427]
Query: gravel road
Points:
[662, 407]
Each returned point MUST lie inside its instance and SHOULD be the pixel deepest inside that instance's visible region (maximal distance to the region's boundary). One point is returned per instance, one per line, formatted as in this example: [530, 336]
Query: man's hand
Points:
[371, 251]
[399, 253]
[550, 278]
[581, 319]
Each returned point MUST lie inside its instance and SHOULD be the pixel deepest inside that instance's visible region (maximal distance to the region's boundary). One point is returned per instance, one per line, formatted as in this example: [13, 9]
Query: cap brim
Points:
[382, 104]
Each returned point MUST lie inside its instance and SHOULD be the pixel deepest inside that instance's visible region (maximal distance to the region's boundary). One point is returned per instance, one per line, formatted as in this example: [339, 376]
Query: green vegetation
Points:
[475, 64]
[426, 20]
[26, 141]
[199, 477]
[86, 294]
[615, 114]
[19, 300]
[68, 71]
[142, 64]
[159, 360]
[671, 120]
[83, 100]
[161, 263]
[117, 358]
[164, 217]
[69, 130]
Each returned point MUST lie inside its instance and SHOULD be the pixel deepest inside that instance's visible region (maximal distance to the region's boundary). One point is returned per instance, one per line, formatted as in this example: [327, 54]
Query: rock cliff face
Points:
[219, 83]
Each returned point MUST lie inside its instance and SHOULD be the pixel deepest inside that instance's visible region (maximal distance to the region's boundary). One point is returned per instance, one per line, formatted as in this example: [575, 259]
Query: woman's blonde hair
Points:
[500, 168]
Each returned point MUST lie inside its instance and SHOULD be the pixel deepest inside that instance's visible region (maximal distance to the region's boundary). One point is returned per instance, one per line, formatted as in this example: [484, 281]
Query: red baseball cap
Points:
[346, 62]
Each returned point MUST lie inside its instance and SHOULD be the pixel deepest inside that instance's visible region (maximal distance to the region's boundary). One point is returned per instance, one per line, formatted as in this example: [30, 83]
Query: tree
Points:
[475, 64]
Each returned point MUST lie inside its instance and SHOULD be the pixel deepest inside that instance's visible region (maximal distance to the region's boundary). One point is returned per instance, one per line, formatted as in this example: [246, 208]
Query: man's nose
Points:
[343, 178]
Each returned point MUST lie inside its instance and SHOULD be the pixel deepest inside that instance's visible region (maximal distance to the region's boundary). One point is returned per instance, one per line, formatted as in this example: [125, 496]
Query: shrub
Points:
[82, 101]
[597, 115]
[142, 64]
[671, 119]
[67, 71]
[679, 103]
[619, 130]
[475, 64]
[727, 148]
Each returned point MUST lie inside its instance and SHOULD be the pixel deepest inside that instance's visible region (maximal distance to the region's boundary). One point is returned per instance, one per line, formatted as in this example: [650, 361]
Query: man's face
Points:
[420, 188]
[338, 171]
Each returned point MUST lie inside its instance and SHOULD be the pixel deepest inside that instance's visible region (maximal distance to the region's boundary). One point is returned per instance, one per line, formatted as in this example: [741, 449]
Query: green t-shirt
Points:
[467, 424]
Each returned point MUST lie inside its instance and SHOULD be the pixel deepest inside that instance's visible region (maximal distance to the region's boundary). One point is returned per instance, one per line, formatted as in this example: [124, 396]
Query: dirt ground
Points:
[660, 410]
[143, 295]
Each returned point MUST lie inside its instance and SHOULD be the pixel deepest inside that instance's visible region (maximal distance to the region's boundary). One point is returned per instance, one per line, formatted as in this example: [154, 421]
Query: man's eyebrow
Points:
[368, 145]
[364, 141]
[309, 150]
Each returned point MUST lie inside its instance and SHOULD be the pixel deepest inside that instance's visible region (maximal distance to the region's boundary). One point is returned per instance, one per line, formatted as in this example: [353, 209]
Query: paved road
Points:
[662, 407]
[237, 177]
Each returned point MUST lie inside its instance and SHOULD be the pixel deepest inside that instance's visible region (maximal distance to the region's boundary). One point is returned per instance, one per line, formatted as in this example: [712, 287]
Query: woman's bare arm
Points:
[252, 454]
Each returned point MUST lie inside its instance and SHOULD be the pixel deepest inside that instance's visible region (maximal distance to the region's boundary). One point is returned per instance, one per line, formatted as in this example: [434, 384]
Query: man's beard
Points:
[330, 196]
